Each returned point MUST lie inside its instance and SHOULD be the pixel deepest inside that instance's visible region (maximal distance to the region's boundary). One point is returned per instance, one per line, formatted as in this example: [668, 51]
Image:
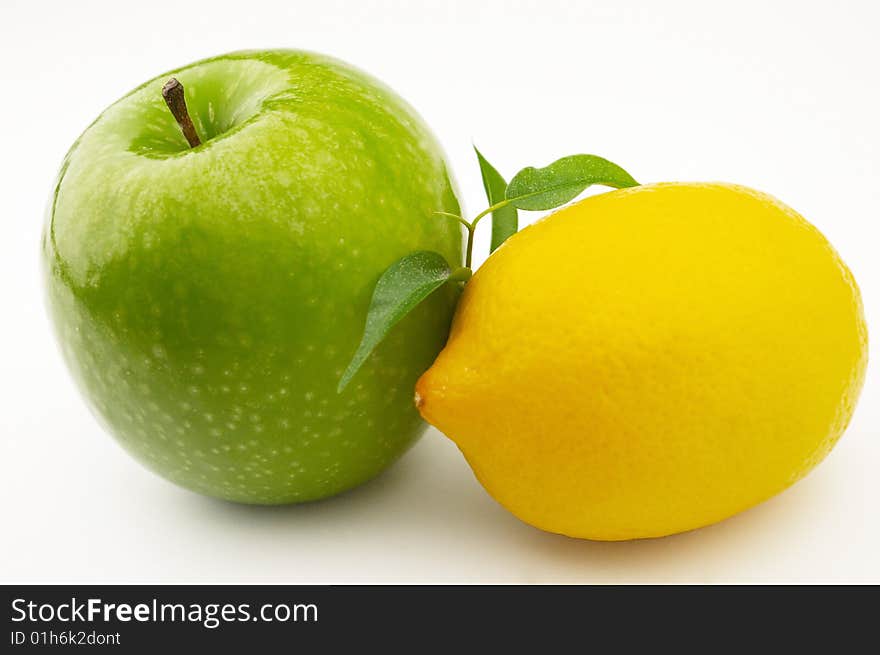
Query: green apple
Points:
[207, 299]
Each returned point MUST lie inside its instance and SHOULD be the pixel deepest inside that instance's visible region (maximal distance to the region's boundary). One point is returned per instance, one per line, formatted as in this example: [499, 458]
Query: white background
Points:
[782, 96]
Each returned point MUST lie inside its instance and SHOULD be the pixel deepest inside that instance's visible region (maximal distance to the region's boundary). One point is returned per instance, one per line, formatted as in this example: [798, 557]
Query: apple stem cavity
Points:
[173, 94]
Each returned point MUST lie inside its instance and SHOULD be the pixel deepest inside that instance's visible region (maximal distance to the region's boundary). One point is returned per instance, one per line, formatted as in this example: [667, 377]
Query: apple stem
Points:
[174, 98]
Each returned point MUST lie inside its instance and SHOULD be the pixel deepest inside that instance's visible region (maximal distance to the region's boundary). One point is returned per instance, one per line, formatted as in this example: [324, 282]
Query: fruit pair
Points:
[642, 362]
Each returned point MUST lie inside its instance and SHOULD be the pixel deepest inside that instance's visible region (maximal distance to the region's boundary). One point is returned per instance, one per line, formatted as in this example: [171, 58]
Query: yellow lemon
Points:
[651, 360]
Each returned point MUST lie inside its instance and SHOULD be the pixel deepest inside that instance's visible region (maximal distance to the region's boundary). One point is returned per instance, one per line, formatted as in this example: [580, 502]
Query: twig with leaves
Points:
[417, 275]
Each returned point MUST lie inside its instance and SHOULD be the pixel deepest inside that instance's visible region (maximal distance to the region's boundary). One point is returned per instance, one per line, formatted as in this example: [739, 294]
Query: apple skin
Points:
[207, 300]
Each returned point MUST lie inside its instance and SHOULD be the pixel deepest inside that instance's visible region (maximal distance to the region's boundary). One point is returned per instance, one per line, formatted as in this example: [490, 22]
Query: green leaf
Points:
[535, 189]
[401, 287]
[505, 220]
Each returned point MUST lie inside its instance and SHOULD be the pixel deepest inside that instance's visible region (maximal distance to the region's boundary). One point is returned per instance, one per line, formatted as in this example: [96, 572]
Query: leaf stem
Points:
[489, 210]
[469, 253]
[462, 274]
[472, 226]
[455, 216]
